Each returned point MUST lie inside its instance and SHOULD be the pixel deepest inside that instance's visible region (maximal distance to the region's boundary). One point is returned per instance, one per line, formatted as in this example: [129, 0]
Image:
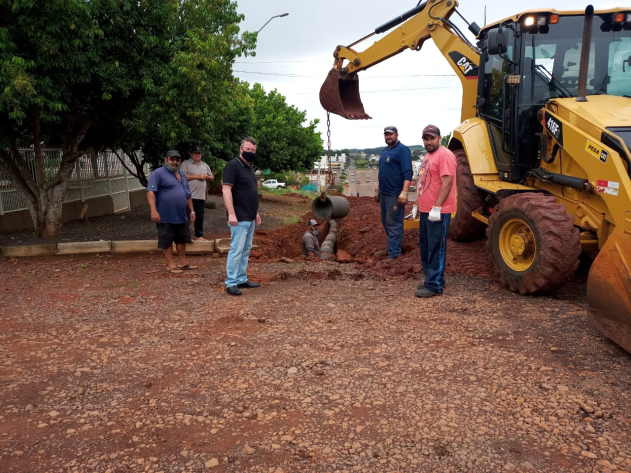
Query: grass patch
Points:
[309, 194]
[287, 221]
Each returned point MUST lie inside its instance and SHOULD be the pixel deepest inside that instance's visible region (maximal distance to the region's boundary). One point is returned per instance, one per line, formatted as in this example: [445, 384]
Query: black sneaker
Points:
[424, 292]
[421, 285]
[233, 291]
[248, 284]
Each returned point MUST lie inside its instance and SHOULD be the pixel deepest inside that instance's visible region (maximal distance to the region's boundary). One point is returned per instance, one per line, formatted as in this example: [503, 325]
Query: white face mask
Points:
[315, 232]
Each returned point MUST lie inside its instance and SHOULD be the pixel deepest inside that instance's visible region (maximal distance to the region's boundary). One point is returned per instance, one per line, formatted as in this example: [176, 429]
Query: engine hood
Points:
[603, 111]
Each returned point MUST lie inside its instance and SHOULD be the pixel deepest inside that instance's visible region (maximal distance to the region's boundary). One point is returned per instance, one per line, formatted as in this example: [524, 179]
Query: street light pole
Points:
[276, 16]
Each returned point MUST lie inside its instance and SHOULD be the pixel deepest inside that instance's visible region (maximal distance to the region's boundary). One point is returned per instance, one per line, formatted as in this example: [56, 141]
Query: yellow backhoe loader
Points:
[544, 167]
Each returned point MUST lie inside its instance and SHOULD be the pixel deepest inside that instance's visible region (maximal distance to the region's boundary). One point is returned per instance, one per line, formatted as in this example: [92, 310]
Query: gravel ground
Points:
[109, 364]
[136, 224]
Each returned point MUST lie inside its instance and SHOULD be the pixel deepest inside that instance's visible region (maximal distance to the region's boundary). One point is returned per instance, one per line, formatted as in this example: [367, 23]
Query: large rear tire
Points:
[533, 243]
[463, 226]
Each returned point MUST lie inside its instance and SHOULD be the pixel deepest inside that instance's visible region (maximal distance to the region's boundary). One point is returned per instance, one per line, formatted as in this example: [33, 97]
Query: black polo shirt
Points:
[245, 194]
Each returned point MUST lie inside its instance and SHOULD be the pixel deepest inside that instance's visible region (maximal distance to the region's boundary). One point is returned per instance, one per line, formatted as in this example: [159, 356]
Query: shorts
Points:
[169, 233]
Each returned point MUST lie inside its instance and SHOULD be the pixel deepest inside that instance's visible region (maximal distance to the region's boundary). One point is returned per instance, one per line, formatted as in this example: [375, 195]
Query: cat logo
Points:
[596, 151]
[388, 159]
[467, 67]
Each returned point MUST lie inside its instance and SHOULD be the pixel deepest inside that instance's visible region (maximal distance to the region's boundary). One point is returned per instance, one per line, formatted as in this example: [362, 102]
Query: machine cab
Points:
[534, 57]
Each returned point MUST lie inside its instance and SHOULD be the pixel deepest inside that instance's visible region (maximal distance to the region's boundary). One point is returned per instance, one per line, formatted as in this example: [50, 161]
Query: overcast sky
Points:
[294, 55]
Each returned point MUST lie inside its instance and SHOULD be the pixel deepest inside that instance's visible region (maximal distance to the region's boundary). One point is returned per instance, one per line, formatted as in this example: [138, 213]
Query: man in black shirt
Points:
[241, 198]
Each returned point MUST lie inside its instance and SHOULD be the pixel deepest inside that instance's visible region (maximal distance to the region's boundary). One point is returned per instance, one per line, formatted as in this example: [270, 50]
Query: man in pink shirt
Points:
[436, 203]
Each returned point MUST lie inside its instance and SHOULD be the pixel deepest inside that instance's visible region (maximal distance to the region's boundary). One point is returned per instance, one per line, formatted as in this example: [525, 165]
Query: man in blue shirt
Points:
[170, 202]
[395, 174]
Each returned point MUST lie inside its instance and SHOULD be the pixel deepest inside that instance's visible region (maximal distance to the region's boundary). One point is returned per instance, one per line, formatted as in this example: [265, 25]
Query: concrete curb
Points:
[135, 246]
[30, 250]
[199, 248]
[115, 247]
[222, 245]
[84, 247]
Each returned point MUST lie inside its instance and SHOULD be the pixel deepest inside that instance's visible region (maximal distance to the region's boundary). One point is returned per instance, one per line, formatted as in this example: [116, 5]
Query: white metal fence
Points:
[95, 175]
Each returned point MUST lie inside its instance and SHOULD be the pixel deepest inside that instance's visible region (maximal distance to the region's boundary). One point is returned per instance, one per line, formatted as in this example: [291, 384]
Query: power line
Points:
[385, 90]
[278, 74]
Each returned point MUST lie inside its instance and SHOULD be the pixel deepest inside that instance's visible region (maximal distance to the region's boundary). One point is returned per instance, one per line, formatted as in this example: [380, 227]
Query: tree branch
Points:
[125, 165]
[11, 170]
[21, 169]
[40, 174]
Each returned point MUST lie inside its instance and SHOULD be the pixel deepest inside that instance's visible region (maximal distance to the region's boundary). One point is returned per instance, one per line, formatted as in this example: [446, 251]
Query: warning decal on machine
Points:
[596, 151]
[607, 187]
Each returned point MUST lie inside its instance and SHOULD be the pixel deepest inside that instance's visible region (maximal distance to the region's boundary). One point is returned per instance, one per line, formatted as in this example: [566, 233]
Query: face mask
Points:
[173, 167]
[315, 232]
[248, 156]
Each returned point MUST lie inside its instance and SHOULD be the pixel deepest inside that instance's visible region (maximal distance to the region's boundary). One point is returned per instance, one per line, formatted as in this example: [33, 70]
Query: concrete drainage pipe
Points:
[329, 244]
[331, 207]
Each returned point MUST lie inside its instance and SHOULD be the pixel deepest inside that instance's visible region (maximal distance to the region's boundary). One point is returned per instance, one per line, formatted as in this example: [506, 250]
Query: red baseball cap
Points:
[432, 130]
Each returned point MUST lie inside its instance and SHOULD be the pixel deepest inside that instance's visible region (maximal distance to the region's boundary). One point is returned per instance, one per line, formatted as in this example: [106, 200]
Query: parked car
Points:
[274, 184]
[367, 180]
[412, 187]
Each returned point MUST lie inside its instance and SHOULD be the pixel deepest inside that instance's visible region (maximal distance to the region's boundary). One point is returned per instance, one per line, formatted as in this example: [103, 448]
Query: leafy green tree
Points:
[79, 74]
[285, 142]
[445, 139]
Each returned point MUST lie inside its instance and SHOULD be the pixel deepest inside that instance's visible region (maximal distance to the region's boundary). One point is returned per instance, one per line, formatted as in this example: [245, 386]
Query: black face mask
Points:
[248, 156]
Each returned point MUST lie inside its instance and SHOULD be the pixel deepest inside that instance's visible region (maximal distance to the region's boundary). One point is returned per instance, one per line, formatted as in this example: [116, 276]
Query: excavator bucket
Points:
[609, 286]
[340, 95]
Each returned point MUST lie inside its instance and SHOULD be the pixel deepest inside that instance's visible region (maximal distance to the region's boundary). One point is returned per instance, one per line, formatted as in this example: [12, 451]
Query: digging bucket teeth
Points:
[609, 286]
[340, 95]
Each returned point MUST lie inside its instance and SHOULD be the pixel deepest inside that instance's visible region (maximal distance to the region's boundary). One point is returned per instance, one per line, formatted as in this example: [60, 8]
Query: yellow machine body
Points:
[583, 170]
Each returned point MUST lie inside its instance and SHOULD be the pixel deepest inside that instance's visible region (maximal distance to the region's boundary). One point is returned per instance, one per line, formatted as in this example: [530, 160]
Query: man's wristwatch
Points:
[192, 212]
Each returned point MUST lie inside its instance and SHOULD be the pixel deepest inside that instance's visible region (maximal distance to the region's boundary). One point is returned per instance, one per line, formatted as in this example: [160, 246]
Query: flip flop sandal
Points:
[187, 267]
[174, 270]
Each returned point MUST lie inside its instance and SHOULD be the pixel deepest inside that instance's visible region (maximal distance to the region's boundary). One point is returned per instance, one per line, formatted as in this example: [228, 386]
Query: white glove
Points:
[434, 215]
[415, 212]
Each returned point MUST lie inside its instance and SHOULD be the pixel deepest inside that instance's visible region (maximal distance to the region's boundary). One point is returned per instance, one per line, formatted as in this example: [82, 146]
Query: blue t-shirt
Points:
[395, 166]
[171, 195]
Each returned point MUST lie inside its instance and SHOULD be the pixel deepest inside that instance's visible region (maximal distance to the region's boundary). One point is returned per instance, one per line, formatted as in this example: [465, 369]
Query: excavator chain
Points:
[340, 95]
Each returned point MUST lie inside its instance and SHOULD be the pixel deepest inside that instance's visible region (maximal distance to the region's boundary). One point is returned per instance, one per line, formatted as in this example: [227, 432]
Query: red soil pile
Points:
[362, 236]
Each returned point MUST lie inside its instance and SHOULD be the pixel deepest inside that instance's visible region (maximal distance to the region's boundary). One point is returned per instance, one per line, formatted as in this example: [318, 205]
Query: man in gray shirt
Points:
[198, 173]
[310, 244]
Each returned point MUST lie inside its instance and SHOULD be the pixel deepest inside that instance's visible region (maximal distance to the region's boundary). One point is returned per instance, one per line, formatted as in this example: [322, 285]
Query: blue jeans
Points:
[392, 220]
[433, 246]
[240, 246]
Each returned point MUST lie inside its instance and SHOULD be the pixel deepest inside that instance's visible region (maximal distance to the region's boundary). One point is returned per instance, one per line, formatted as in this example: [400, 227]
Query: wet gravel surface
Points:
[110, 364]
[136, 223]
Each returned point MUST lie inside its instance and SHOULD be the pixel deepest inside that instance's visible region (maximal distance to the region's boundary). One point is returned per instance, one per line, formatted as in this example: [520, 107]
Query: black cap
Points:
[173, 153]
[390, 129]
[196, 149]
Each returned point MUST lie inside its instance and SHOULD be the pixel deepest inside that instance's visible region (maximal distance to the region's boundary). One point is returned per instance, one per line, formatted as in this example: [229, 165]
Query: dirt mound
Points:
[361, 234]
[284, 242]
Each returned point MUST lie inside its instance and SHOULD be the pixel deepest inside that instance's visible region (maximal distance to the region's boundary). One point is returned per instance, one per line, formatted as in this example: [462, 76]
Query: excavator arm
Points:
[340, 92]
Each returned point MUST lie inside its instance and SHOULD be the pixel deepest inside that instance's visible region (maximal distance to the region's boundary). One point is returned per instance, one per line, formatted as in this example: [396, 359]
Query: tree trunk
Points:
[44, 198]
[51, 209]
[51, 199]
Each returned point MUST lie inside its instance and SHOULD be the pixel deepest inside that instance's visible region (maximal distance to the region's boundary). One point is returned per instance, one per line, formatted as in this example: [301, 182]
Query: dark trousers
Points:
[198, 207]
[433, 246]
[392, 220]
